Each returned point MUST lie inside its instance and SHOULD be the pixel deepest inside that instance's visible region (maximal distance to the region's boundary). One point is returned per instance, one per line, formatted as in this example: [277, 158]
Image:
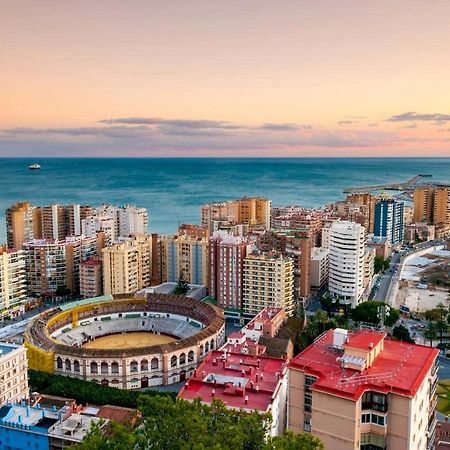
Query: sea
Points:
[173, 189]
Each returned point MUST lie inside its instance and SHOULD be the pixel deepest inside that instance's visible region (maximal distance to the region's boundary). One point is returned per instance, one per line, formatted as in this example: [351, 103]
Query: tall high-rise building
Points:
[61, 221]
[389, 220]
[23, 223]
[91, 280]
[53, 266]
[368, 200]
[432, 204]
[127, 220]
[226, 265]
[347, 256]
[183, 256]
[91, 225]
[13, 282]
[247, 210]
[268, 281]
[127, 267]
[295, 244]
[362, 391]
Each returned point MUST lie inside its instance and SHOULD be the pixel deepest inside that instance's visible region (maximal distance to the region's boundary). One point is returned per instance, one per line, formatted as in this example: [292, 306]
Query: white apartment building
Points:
[347, 256]
[93, 224]
[319, 267]
[13, 283]
[13, 373]
[268, 281]
[128, 220]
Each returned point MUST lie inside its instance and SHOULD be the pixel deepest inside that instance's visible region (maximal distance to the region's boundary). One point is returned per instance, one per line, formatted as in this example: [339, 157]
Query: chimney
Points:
[246, 399]
[213, 393]
[257, 377]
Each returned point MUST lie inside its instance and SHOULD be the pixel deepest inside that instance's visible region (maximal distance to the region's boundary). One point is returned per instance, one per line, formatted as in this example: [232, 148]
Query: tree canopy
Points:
[381, 264]
[182, 286]
[368, 312]
[169, 424]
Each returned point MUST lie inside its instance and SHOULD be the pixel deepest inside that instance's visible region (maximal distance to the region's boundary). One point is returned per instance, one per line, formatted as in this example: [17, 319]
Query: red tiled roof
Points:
[401, 367]
[256, 378]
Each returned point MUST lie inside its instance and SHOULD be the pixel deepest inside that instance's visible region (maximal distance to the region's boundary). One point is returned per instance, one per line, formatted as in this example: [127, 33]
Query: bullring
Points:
[67, 340]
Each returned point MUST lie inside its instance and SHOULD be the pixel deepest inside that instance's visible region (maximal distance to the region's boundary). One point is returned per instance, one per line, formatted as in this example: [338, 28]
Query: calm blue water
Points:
[173, 189]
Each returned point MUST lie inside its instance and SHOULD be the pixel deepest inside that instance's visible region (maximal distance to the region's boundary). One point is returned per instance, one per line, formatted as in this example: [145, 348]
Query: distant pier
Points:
[407, 185]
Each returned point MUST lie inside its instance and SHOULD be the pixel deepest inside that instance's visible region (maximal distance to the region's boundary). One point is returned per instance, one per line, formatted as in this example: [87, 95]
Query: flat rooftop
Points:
[400, 368]
[75, 427]
[265, 316]
[36, 418]
[6, 348]
[240, 381]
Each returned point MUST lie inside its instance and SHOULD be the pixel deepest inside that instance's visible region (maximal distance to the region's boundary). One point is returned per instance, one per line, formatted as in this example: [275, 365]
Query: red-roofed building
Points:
[242, 382]
[361, 391]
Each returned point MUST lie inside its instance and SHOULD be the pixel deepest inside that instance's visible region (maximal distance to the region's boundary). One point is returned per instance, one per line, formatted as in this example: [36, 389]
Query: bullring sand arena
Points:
[129, 340]
[124, 341]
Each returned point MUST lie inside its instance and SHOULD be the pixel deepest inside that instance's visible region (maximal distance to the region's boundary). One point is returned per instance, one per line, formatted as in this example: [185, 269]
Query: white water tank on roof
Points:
[339, 337]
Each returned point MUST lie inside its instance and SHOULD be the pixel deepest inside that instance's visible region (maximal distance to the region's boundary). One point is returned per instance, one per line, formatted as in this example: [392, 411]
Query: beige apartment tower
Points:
[127, 267]
[432, 205]
[268, 281]
[183, 256]
[23, 223]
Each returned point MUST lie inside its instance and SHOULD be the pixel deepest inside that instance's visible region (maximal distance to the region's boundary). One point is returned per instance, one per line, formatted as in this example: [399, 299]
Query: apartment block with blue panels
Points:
[389, 220]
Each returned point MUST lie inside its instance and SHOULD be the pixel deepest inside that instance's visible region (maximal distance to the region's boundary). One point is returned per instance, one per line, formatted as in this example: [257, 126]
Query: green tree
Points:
[321, 317]
[401, 333]
[381, 264]
[182, 287]
[368, 312]
[441, 328]
[435, 314]
[431, 332]
[291, 441]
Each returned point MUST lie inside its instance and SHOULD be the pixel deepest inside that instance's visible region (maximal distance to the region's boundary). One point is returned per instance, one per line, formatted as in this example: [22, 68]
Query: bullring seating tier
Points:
[39, 332]
[171, 327]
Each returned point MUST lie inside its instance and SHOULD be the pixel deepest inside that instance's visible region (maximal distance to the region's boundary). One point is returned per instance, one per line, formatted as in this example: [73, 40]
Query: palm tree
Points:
[321, 317]
[441, 328]
[431, 332]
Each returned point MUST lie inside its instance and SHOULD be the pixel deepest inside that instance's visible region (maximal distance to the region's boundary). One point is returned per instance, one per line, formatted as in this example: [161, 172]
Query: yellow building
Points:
[127, 266]
[183, 256]
[268, 281]
[361, 391]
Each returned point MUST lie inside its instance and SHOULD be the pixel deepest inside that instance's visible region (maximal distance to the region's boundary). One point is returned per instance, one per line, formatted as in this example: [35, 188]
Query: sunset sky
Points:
[225, 78]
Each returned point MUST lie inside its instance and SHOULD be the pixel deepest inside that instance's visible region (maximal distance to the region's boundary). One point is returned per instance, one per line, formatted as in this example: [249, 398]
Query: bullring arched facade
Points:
[55, 340]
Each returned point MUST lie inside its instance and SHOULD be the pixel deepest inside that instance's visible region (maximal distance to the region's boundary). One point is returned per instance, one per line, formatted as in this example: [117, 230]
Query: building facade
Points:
[226, 265]
[91, 278]
[247, 210]
[347, 256]
[432, 204]
[23, 223]
[389, 220]
[268, 281]
[320, 266]
[361, 391]
[53, 266]
[13, 373]
[13, 283]
[127, 267]
[183, 256]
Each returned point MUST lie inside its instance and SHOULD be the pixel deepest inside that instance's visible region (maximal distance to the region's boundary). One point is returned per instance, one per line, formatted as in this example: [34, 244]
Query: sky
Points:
[225, 78]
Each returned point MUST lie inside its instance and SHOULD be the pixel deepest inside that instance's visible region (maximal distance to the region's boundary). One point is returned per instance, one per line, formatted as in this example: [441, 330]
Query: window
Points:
[309, 380]
[94, 367]
[377, 419]
[154, 363]
[76, 366]
[114, 367]
[173, 361]
[374, 400]
[133, 366]
[144, 365]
